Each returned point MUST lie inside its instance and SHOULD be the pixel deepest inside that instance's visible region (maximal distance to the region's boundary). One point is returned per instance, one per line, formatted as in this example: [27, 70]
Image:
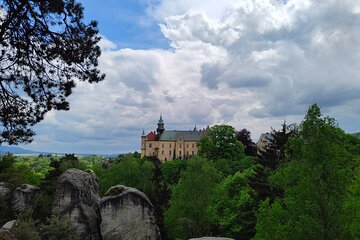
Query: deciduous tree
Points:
[188, 216]
[315, 183]
[222, 147]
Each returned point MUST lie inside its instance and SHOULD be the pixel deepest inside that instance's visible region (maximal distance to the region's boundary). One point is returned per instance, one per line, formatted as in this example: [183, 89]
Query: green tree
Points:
[45, 46]
[130, 171]
[171, 171]
[244, 136]
[268, 160]
[187, 215]
[232, 205]
[71, 161]
[315, 184]
[17, 173]
[222, 147]
[42, 203]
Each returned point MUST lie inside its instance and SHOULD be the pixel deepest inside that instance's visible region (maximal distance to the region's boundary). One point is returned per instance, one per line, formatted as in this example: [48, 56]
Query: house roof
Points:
[151, 136]
[186, 135]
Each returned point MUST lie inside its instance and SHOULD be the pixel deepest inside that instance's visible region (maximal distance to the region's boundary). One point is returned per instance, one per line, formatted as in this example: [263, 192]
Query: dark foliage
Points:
[244, 136]
[43, 201]
[45, 46]
[268, 160]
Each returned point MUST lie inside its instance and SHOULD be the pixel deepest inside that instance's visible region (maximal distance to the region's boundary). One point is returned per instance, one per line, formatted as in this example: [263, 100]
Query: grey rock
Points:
[127, 214]
[77, 197]
[6, 235]
[9, 225]
[22, 196]
[5, 195]
[5, 190]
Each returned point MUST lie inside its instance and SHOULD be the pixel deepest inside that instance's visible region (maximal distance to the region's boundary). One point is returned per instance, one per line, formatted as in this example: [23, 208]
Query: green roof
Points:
[187, 135]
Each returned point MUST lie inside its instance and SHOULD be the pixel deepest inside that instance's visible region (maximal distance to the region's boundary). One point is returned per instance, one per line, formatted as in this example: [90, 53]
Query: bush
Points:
[25, 229]
[57, 229]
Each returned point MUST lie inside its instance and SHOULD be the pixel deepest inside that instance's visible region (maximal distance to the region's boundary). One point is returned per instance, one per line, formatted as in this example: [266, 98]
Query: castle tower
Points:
[143, 142]
[160, 129]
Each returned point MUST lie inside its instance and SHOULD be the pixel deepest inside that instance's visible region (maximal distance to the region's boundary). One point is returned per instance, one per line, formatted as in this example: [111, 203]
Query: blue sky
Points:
[250, 64]
[125, 23]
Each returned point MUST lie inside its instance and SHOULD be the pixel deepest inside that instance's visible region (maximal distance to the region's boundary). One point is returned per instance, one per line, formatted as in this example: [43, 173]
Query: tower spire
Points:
[161, 119]
[160, 129]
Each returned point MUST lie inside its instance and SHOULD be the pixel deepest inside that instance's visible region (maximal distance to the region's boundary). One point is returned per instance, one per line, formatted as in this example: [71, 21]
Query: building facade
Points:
[168, 145]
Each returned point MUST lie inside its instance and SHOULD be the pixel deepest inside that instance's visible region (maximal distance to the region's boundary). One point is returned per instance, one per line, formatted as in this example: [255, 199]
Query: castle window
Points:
[193, 145]
[162, 152]
[170, 152]
[150, 145]
[187, 145]
[180, 144]
[162, 145]
[192, 152]
[187, 152]
[179, 152]
[170, 145]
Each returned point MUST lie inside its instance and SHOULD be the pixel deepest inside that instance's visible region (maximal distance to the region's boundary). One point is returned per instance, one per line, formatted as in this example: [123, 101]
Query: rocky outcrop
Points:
[5, 190]
[5, 196]
[9, 225]
[127, 214]
[22, 196]
[77, 197]
[6, 235]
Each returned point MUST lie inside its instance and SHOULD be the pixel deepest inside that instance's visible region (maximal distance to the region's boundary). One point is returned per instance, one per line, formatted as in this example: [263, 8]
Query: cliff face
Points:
[127, 214]
[22, 196]
[77, 197]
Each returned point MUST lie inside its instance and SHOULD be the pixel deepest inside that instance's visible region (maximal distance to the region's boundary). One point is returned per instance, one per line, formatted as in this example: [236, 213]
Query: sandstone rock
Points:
[6, 235]
[77, 197]
[5, 190]
[127, 214]
[5, 196]
[22, 196]
[211, 238]
[9, 225]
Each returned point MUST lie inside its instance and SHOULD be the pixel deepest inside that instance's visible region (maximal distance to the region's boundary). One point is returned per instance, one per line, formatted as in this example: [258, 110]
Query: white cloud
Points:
[247, 63]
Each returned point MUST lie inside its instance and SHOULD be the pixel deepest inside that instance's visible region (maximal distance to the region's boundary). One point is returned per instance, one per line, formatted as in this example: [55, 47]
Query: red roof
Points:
[151, 136]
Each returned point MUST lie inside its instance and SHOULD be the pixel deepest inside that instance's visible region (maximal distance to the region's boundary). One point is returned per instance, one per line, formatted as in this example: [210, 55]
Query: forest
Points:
[305, 184]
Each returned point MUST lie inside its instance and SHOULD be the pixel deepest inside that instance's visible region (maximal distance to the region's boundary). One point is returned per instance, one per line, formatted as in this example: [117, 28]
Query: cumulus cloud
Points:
[247, 63]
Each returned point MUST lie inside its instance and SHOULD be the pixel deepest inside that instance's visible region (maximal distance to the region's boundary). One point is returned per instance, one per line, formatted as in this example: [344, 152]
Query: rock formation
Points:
[22, 196]
[9, 225]
[5, 197]
[77, 197]
[6, 235]
[127, 214]
[5, 190]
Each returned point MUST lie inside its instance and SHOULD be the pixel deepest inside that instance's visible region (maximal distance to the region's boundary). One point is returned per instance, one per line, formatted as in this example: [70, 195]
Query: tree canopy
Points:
[45, 47]
[222, 147]
[244, 136]
[187, 215]
[316, 182]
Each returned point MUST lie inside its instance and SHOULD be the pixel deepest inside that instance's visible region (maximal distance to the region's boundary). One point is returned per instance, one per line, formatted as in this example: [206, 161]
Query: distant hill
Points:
[14, 150]
[19, 150]
[357, 134]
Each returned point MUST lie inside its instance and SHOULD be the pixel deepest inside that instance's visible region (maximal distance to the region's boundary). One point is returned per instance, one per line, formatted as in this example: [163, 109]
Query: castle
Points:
[169, 145]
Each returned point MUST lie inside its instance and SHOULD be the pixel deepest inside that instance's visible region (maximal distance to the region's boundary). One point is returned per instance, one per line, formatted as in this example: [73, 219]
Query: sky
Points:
[250, 64]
